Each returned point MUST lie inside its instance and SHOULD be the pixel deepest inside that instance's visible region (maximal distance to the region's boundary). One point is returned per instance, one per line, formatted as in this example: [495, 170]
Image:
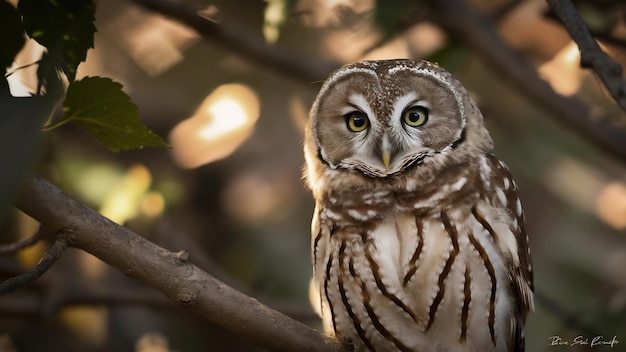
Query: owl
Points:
[418, 239]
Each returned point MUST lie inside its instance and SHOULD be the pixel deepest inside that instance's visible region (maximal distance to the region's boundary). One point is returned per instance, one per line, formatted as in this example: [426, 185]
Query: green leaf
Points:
[12, 39]
[64, 27]
[99, 106]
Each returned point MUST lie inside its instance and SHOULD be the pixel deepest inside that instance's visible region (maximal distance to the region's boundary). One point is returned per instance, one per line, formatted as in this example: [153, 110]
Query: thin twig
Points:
[465, 23]
[244, 44]
[21, 244]
[48, 301]
[591, 55]
[49, 258]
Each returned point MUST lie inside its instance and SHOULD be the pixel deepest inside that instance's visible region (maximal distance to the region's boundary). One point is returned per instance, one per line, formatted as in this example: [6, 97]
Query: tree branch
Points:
[591, 55]
[168, 272]
[21, 244]
[49, 258]
[458, 19]
[244, 44]
[45, 302]
[467, 24]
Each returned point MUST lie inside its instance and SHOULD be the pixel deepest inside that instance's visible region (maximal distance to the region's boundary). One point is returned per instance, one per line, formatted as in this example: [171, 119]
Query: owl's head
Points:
[382, 118]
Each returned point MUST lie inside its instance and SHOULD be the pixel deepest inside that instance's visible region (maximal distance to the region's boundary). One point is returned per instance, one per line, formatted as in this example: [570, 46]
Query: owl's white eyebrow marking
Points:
[396, 116]
[359, 101]
[402, 102]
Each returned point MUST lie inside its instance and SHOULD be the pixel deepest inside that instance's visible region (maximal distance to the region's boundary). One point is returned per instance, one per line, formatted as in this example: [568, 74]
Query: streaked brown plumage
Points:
[418, 239]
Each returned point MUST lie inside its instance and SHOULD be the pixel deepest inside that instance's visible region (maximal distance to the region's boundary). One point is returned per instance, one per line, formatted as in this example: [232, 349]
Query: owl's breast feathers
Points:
[403, 264]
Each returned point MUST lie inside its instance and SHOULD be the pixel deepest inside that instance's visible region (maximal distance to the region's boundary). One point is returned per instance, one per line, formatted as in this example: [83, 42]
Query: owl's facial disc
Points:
[387, 120]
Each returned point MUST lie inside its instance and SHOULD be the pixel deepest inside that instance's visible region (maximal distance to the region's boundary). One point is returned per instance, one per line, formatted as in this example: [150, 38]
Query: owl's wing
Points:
[520, 266]
[521, 277]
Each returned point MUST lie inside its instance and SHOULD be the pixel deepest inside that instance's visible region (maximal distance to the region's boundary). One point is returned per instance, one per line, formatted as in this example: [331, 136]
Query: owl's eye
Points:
[357, 121]
[415, 116]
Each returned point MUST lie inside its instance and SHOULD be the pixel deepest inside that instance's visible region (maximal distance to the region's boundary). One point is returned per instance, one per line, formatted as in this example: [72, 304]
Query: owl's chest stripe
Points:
[354, 278]
[484, 223]
[467, 298]
[357, 299]
[451, 230]
[317, 239]
[379, 326]
[490, 270]
[344, 298]
[326, 292]
[416, 253]
[382, 287]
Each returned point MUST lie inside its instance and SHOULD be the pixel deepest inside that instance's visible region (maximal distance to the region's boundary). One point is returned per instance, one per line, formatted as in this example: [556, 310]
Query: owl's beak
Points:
[386, 158]
[386, 151]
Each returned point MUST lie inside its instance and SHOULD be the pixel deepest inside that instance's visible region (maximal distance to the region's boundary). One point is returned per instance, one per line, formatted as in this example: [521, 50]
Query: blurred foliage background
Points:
[230, 192]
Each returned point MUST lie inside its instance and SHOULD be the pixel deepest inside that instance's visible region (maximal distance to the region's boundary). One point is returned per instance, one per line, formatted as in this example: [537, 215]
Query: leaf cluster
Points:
[98, 105]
